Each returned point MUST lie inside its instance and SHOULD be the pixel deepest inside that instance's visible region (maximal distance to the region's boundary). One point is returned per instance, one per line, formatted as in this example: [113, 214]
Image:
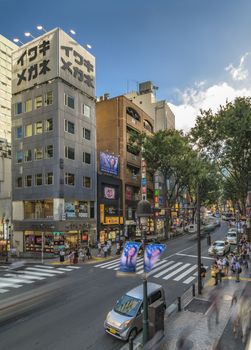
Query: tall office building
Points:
[6, 49]
[54, 144]
[145, 98]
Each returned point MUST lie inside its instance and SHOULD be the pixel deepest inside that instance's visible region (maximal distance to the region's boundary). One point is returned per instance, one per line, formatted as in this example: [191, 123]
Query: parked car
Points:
[231, 237]
[219, 248]
[126, 318]
[192, 228]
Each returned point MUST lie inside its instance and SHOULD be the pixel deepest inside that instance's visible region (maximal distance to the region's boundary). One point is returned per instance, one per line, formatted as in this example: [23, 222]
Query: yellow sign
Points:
[102, 213]
[113, 220]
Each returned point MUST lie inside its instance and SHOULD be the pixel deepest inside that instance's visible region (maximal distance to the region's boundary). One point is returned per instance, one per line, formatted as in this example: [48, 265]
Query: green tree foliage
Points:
[225, 136]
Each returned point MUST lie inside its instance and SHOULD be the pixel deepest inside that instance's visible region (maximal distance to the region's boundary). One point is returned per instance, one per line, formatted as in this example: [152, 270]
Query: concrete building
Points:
[6, 49]
[119, 165]
[54, 144]
[159, 110]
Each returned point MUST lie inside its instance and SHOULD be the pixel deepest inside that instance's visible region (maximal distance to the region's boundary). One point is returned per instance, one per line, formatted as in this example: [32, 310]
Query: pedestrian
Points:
[234, 315]
[99, 248]
[226, 266]
[220, 268]
[202, 274]
[88, 252]
[238, 270]
[71, 257]
[109, 245]
[105, 250]
[61, 255]
[81, 255]
[214, 272]
[75, 257]
[117, 248]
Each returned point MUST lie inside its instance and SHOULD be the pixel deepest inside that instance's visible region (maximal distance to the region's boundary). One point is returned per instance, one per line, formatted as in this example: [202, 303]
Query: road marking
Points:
[63, 269]
[13, 285]
[73, 267]
[189, 279]
[15, 280]
[195, 256]
[107, 263]
[43, 270]
[167, 270]
[24, 276]
[45, 266]
[33, 273]
[155, 269]
[175, 272]
[185, 273]
[4, 291]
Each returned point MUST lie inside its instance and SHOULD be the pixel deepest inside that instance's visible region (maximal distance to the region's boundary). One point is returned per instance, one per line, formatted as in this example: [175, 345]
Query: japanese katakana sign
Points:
[52, 55]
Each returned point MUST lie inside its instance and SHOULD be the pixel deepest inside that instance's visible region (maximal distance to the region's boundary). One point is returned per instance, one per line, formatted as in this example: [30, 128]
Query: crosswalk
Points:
[28, 275]
[164, 269]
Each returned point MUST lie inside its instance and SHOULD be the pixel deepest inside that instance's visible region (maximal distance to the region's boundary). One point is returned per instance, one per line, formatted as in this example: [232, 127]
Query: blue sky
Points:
[195, 51]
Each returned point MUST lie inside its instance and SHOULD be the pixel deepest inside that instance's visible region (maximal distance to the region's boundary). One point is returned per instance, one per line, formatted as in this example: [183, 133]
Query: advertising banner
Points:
[152, 254]
[129, 257]
[109, 192]
[109, 163]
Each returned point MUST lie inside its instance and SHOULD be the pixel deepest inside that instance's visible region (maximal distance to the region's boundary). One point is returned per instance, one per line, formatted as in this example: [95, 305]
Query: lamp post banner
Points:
[129, 257]
[152, 254]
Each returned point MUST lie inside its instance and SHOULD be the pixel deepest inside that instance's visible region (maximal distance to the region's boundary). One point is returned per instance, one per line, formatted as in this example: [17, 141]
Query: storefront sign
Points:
[113, 220]
[109, 192]
[102, 213]
[109, 163]
[128, 193]
[84, 237]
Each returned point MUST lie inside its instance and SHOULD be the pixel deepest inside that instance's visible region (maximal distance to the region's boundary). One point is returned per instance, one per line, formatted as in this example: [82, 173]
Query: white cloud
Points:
[202, 97]
[239, 73]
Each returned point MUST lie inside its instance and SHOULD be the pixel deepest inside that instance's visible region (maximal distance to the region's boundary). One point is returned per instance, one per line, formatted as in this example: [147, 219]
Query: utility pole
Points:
[199, 240]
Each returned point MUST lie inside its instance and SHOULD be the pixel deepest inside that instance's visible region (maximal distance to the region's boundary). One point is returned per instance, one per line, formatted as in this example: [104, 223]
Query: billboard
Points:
[109, 192]
[152, 254]
[128, 259]
[54, 54]
[109, 163]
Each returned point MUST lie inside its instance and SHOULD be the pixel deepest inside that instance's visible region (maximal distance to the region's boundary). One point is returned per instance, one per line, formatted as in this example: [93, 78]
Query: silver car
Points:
[219, 248]
[126, 318]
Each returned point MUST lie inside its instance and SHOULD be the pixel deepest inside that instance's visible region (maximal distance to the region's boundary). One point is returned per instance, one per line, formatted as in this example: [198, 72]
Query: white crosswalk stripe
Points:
[28, 275]
[164, 269]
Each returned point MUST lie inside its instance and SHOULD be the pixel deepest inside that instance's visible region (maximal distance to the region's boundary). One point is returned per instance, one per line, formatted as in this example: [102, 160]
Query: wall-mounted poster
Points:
[109, 192]
[109, 163]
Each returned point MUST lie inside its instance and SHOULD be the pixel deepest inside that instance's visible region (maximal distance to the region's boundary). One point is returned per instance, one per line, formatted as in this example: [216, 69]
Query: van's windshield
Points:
[127, 305]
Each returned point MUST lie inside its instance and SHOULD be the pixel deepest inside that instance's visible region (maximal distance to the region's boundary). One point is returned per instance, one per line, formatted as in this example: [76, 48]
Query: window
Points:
[49, 178]
[86, 111]
[28, 105]
[155, 296]
[38, 128]
[18, 108]
[38, 102]
[86, 182]
[48, 125]
[69, 127]
[28, 181]
[38, 153]
[86, 134]
[69, 101]
[49, 151]
[86, 158]
[27, 155]
[48, 98]
[38, 179]
[19, 156]
[19, 132]
[19, 182]
[69, 152]
[69, 179]
[28, 130]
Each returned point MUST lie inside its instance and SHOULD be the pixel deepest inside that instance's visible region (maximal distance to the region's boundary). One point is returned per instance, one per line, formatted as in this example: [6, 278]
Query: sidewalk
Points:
[194, 321]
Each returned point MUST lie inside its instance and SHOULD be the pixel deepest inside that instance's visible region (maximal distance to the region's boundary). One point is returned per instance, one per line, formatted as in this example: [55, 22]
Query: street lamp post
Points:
[144, 211]
[199, 240]
[42, 244]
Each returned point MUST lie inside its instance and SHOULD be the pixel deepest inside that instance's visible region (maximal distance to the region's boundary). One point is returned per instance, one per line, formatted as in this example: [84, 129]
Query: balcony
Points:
[133, 159]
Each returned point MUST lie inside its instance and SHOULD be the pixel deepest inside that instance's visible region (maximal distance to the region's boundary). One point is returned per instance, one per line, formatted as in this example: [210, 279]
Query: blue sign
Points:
[129, 257]
[109, 163]
[152, 254]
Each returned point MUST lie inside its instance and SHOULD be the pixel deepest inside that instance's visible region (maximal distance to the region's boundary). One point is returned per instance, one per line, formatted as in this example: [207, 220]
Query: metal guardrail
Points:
[186, 297]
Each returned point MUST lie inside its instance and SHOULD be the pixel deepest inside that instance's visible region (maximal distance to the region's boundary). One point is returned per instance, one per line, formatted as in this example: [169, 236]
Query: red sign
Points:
[84, 237]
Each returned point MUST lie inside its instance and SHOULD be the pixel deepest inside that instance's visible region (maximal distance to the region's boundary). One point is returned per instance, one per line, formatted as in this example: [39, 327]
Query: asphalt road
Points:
[68, 313]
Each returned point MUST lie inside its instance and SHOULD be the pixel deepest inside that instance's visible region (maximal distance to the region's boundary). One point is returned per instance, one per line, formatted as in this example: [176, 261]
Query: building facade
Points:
[54, 144]
[6, 49]
[117, 119]
[160, 112]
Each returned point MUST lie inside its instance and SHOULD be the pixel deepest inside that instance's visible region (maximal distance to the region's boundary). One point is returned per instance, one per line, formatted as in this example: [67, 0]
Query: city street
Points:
[67, 310]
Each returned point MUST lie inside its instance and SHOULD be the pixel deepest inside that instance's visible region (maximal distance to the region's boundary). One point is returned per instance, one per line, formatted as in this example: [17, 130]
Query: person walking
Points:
[226, 266]
[234, 315]
[214, 272]
[99, 248]
[88, 252]
[238, 270]
[61, 255]
[202, 274]
[105, 250]
[220, 268]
